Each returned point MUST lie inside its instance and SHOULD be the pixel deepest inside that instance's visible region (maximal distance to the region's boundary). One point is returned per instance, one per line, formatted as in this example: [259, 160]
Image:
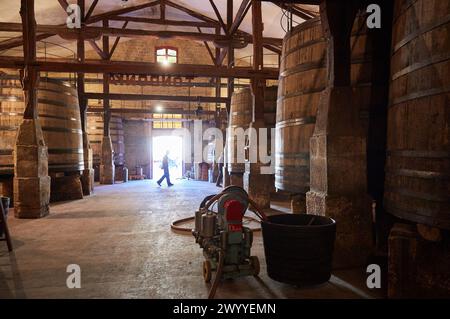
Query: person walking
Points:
[165, 167]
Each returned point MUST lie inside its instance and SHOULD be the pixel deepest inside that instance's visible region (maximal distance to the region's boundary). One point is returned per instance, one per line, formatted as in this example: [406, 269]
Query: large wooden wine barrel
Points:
[59, 116]
[95, 131]
[302, 79]
[417, 184]
[241, 114]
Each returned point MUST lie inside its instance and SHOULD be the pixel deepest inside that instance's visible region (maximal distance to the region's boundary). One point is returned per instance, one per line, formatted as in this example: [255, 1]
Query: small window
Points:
[166, 55]
[166, 121]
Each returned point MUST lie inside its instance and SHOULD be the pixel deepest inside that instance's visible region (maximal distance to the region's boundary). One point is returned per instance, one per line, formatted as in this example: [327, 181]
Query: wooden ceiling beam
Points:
[219, 16]
[97, 49]
[222, 56]
[18, 41]
[106, 15]
[91, 10]
[190, 12]
[274, 49]
[200, 24]
[213, 58]
[119, 32]
[155, 97]
[172, 110]
[126, 67]
[296, 11]
[240, 15]
[63, 4]
[116, 42]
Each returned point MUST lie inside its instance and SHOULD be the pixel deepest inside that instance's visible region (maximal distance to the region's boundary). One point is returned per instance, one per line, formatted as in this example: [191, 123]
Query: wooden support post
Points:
[31, 180]
[87, 175]
[107, 169]
[230, 87]
[338, 185]
[258, 83]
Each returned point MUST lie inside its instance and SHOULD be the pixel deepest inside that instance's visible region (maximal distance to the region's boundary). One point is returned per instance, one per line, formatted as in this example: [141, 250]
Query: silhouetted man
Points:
[165, 167]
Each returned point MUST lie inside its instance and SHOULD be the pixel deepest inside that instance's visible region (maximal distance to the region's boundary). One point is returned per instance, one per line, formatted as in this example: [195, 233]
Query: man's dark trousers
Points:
[166, 176]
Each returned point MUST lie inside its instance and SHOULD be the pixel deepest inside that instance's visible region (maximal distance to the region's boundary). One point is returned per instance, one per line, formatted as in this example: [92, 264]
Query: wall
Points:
[138, 146]
[189, 52]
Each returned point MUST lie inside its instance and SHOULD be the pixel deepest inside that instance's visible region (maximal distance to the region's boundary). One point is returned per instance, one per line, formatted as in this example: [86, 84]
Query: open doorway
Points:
[173, 144]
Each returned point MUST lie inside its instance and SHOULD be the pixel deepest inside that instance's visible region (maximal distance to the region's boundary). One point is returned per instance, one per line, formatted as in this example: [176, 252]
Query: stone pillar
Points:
[257, 185]
[87, 175]
[107, 168]
[338, 177]
[31, 180]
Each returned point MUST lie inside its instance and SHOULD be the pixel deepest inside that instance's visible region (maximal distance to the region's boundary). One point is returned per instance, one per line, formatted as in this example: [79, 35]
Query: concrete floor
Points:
[121, 239]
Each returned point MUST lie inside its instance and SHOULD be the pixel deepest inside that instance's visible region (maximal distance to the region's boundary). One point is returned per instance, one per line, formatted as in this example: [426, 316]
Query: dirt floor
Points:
[122, 241]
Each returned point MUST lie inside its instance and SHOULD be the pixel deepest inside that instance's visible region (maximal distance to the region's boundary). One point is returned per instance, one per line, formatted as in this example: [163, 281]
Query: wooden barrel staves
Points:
[302, 79]
[241, 114]
[417, 184]
[95, 131]
[59, 116]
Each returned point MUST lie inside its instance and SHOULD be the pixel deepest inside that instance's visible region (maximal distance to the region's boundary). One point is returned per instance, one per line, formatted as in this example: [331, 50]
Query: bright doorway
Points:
[173, 144]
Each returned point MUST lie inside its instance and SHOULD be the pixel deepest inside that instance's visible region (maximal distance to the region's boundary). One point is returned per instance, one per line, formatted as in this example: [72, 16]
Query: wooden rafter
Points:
[116, 42]
[222, 56]
[294, 10]
[97, 49]
[240, 15]
[18, 41]
[63, 4]
[165, 22]
[162, 9]
[213, 58]
[91, 10]
[219, 16]
[106, 15]
[190, 12]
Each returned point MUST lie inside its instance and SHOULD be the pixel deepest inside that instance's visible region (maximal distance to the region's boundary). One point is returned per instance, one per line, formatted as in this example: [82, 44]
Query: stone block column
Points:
[257, 185]
[87, 175]
[338, 179]
[31, 180]
[107, 168]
